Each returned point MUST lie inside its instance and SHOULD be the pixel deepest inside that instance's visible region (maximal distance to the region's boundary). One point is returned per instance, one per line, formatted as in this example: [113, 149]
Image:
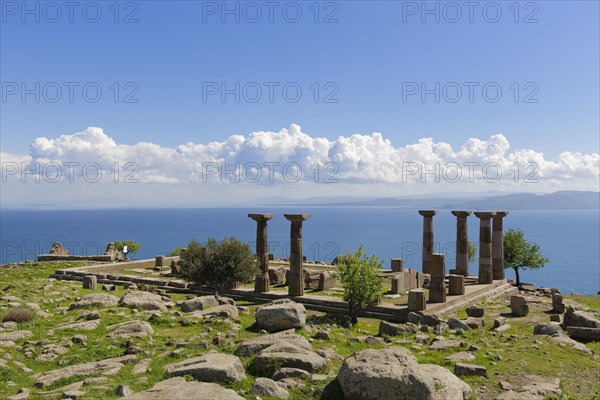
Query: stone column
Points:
[397, 265]
[485, 247]
[261, 283]
[437, 284]
[498, 245]
[427, 238]
[416, 300]
[462, 242]
[296, 275]
[90, 282]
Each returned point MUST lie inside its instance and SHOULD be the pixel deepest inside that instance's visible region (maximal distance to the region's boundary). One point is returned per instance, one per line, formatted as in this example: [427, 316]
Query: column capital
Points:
[297, 217]
[465, 213]
[485, 214]
[428, 213]
[261, 217]
[501, 214]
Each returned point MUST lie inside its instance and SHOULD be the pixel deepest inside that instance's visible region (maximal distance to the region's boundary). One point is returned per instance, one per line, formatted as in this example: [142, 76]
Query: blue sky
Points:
[367, 54]
[367, 57]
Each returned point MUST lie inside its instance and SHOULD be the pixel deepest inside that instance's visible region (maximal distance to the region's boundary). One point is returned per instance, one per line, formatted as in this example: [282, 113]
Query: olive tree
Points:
[520, 254]
[219, 264]
[360, 276]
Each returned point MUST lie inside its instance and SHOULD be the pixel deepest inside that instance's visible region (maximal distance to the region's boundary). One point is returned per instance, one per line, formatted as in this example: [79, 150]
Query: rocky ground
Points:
[133, 344]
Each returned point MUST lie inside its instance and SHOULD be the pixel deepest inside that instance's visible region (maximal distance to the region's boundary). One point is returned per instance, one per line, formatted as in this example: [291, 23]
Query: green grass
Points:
[519, 357]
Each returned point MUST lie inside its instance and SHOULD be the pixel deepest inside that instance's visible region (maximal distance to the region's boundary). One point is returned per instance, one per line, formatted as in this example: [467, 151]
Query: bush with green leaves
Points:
[132, 246]
[520, 254]
[219, 264]
[360, 277]
[174, 252]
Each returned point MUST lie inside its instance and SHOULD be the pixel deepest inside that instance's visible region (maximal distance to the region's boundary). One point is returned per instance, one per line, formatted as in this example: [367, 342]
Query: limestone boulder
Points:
[142, 300]
[287, 355]
[180, 389]
[211, 367]
[131, 329]
[259, 343]
[385, 374]
[199, 303]
[270, 388]
[281, 315]
[518, 306]
[223, 310]
[580, 318]
[448, 386]
[96, 300]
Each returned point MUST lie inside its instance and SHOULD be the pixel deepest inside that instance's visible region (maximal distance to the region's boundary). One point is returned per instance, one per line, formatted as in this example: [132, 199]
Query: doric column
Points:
[462, 242]
[485, 247]
[498, 245]
[296, 281]
[427, 238]
[261, 283]
[437, 284]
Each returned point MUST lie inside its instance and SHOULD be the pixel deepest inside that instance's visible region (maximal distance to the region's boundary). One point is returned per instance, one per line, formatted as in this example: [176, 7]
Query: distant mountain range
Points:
[518, 201]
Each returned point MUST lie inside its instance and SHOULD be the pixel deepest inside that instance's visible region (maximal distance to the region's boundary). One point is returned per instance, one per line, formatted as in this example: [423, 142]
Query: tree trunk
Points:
[353, 313]
[517, 276]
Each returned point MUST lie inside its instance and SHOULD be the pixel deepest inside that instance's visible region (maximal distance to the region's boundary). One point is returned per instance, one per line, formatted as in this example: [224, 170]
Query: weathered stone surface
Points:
[280, 315]
[268, 387]
[22, 395]
[470, 369]
[441, 343]
[456, 285]
[90, 282]
[475, 323]
[455, 323]
[83, 326]
[557, 303]
[580, 318]
[58, 250]
[584, 333]
[416, 300]
[143, 301]
[15, 336]
[311, 279]
[142, 366]
[498, 322]
[179, 389]
[397, 265]
[414, 318]
[448, 386]
[474, 311]
[50, 352]
[108, 366]
[387, 329]
[552, 329]
[461, 356]
[518, 306]
[255, 345]
[397, 284]
[537, 388]
[224, 311]
[211, 367]
[95, 300]
[131, 329]
[393, 373]
[288, 356]
[199, 303]
[285, 373]
[326, 281]
[276, 275]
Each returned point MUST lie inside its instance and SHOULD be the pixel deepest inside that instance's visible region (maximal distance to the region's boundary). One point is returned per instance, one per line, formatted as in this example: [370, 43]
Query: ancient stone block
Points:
[159, 261]
[416, 300]
[90, 282]
[557, 303]
[410, 279]
[474, 311]
[326, 281]
[421, 279]
[397, 265]
[437, 285]
[277, 275]
[518, 306]
[456, 285]
[311, 279]
[398, 284]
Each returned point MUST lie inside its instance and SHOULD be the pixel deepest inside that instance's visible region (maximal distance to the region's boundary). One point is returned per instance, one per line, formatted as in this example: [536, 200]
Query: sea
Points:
[569, 238]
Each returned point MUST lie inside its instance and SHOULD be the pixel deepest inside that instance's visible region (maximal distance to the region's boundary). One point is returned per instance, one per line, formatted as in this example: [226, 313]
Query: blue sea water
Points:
[570, 238]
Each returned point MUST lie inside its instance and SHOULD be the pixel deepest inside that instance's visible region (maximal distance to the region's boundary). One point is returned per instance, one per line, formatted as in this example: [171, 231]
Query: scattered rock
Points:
[95, 300]
[455, 323]
[552, 329]
[475, 312]
[81, 326]
[199, 303]
[537, 388]
[131, 329]
[23, 394]
[394, 373]
[285, 373]
[142, 366]
[580, 318]
[288, 356]
[322, 335]
[268, 387]
[498, 322]
[475, 323]
[50, 352]
[179, 388]
[518, 306]
[224, 311]
[211, 367]
[122, 391]
[143, 301]
[461, 356]
[441, 343]
[280, 315]
[109, 366]
[461, 369]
